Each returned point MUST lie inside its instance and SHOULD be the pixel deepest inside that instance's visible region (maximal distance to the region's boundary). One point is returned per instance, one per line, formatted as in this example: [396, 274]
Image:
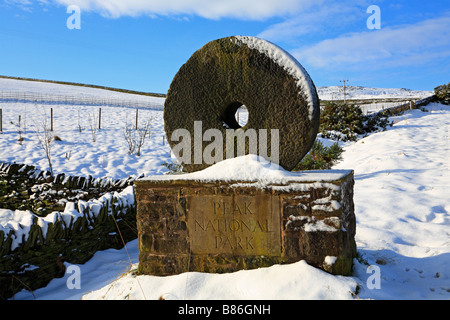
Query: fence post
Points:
[51, 119]
[99, 117]
[1, 120]
[137, 118]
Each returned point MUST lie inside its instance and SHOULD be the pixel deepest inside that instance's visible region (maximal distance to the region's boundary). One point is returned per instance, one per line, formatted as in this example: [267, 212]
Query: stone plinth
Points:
[188, 224]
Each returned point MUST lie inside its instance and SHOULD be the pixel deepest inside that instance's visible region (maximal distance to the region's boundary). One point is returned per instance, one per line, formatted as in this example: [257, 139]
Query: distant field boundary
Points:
[364, 101]
[14, 96]
[387, 105]
[409, 106]
[151, 94]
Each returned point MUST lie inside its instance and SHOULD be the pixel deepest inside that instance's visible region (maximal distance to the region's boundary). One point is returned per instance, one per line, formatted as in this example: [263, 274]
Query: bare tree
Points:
[135, 137]
[129, 136]
[19, 128]
[93, 125]
[80, 128]
[45, 137]
[143, 132]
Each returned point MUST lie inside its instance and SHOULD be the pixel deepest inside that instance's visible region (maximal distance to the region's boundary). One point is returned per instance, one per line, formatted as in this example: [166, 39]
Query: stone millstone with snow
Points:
[234, 71]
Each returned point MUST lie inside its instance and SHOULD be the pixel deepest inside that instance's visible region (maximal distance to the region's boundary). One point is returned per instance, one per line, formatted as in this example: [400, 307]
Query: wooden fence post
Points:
[51, 119]
[1, 120]
[99, 117]
[137, 118]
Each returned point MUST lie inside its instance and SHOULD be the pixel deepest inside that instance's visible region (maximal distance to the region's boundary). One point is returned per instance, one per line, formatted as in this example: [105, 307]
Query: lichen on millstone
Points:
[234, 71]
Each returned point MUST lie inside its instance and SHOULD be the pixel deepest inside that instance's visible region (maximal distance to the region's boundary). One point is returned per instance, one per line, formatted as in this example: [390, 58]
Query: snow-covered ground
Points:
[401, 206]
[77, 153]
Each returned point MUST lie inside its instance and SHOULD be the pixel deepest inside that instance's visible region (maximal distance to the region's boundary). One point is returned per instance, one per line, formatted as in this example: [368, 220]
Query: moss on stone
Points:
[223, 75]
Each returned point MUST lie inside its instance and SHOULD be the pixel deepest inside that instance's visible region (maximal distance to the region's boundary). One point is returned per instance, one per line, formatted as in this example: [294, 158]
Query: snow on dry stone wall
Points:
[35, 245]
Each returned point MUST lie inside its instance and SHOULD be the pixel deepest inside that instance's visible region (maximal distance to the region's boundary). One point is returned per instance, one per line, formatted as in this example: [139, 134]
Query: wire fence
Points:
[388, 105]
[12, 96]
[378, 106]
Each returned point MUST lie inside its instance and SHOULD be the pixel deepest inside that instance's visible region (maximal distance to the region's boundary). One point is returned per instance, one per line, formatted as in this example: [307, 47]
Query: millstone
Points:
[230, 72]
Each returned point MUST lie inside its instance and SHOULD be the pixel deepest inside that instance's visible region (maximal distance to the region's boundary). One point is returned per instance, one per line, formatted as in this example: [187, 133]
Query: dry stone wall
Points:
[33, 248]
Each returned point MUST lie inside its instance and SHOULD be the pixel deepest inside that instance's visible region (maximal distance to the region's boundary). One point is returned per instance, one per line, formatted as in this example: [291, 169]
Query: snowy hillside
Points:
[46, 92]
[401, 200]
[357, 92]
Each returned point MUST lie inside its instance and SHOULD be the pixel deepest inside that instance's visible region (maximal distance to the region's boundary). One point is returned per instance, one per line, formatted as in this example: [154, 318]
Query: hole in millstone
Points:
[242, 115]
[235, 115]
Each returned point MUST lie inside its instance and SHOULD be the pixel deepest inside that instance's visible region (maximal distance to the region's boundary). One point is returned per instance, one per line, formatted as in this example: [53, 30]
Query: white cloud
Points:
[389, 47]
[211, 9]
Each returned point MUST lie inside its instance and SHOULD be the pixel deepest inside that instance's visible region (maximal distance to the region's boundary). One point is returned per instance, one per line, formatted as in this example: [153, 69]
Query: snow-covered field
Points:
[401, 200]
[51, 89]
[77, 152]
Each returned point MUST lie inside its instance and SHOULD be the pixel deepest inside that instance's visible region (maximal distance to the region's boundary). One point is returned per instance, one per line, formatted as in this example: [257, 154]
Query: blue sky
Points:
[140, 45]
